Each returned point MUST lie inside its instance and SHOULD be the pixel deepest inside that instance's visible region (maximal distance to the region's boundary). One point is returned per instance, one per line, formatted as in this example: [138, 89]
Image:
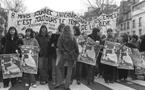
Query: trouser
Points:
[53, 74]
[12, 80]
[43, 68]
[90, 73]
[60, 72]
[100, 65]
[29, 78]
[109, 73]
[122, 73]
[79, 70]
[68, 76]
[1, 75]
[132, 73]
[115, 74]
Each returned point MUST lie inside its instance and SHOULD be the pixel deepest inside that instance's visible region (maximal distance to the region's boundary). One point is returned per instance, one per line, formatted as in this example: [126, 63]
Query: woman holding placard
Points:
[29, 40]
[10, 45]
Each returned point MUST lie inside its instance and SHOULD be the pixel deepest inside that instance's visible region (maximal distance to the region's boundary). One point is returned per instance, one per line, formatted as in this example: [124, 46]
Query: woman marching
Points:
[11, 45]
[29, 40]
[109, 72]
[95, 36]
[78, 68]
[124, 40]
[53, 54]
[68, 49]
[43, 41]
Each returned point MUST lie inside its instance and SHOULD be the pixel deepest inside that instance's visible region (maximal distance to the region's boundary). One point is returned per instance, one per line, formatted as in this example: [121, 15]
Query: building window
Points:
[133, 32]
[140, 32]
[133, 24]
[124, 26]
[121, 26]
[128, 25]
[140, 21]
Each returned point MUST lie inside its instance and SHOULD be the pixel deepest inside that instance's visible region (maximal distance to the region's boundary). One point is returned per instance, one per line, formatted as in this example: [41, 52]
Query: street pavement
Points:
[99, 84]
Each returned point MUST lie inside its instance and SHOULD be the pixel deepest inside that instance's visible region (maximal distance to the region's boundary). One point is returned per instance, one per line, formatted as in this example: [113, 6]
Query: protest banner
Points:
[45, 16]
[105, 21]
[29, 59]
[33, 20]
[89, 50]
[125, 60]
[10, 65]
[109, 56]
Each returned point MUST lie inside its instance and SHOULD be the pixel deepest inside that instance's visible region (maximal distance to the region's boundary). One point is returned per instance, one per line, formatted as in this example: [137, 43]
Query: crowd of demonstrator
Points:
[58, 54]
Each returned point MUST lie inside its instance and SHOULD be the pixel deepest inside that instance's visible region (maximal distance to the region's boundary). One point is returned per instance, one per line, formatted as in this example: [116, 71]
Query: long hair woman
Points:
[52, 52]
[43, 41]
[68, 49]
[11, 45]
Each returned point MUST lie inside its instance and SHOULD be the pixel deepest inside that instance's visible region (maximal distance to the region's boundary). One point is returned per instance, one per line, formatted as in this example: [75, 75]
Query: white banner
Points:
[104, 22]
[50, 18]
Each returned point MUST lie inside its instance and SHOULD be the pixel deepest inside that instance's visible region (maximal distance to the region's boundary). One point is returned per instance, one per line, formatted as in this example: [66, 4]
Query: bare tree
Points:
[101, 4]
[14, 5]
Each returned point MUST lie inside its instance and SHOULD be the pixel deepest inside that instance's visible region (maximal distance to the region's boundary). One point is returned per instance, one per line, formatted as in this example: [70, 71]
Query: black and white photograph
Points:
[72, 44]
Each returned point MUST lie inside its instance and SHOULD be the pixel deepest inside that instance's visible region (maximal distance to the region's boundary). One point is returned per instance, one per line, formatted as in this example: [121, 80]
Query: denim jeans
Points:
[60, 72]
[29, 78]
[12, 80]
[53, 69]
[79, 70]
[43, 68]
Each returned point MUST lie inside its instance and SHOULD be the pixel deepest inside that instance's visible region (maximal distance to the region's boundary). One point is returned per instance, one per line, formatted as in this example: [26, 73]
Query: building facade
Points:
[124, 21]
[125, 25]
[138, 18]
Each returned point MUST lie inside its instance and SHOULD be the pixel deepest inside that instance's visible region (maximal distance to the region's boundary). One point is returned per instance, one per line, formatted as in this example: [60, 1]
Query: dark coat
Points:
[43, 44]
[68, 48]
[53, 44]
[1, 47]
[142, 45]
[10, 46]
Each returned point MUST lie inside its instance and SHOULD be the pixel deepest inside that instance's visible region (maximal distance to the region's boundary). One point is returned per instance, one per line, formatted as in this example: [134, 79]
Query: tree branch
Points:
[14, 5]
[91, 4]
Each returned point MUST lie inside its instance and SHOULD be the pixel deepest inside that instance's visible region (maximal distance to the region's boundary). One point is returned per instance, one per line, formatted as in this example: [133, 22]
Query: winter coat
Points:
[1, 46]
[142, 45]
[43, 42]
[31, 41]
[68, 49]
[53, 44]
[10, 46]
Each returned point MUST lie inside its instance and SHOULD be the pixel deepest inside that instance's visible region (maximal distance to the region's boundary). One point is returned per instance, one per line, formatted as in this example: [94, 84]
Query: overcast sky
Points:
[78, 6]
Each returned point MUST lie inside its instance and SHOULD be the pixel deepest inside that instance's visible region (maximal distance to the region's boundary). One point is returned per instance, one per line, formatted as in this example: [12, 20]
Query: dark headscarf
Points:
[76, 30]
[94, 35]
